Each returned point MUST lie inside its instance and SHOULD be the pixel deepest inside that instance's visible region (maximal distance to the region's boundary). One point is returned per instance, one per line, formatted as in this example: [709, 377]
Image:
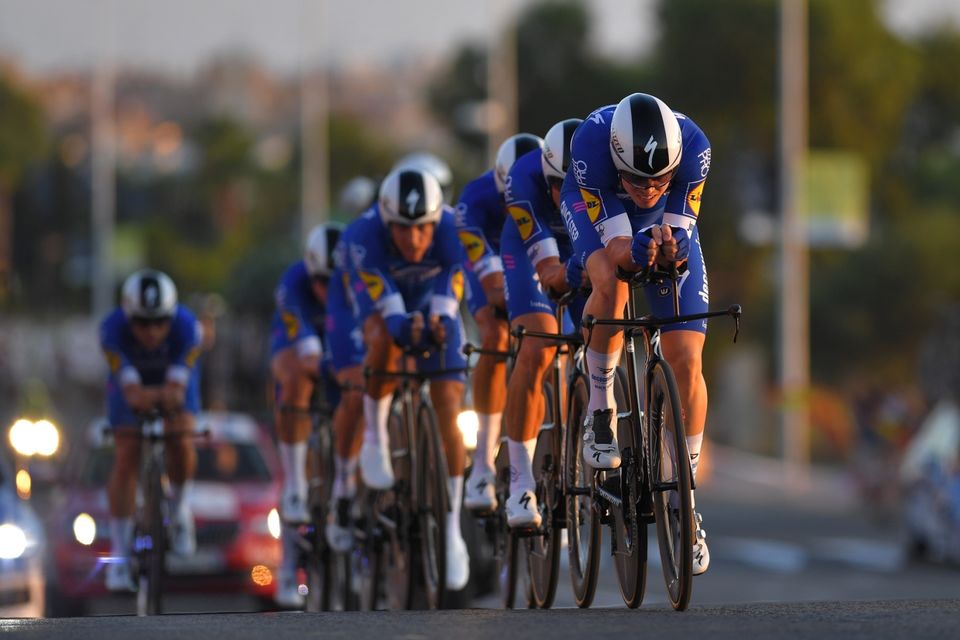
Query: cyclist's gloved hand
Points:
[682, 236]
[643, 249]
[573, 272]
[407, 329]
[441, 328]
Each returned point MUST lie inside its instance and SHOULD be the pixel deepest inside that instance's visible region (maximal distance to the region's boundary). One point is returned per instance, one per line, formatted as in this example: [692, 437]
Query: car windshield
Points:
[216, 462]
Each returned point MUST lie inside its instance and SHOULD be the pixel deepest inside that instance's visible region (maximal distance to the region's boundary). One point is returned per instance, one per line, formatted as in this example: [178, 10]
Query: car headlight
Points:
[469, 425]
[13, 541]
[267, 525]
[85, 529]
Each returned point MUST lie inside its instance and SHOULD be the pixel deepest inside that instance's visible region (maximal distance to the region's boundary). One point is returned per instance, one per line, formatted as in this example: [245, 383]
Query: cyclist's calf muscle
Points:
[382, 355]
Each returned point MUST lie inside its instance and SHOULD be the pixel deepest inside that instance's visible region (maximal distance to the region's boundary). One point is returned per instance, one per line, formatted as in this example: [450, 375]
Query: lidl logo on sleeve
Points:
[113, 361]
[291, 324]
[521, 215]
[374, 284]
[593, 204]
[694, 194]
[473, 244]
[456, 284]
[193, 356]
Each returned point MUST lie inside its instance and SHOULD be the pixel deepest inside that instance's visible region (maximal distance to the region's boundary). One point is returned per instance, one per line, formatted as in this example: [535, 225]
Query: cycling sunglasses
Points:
[643, 183]
[150, 322]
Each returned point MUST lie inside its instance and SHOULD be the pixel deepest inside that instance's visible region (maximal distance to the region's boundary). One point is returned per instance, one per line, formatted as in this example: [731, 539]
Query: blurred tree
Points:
[22, 142]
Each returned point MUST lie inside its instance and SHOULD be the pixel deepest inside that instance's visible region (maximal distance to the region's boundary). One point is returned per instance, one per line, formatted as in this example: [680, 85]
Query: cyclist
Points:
[405, 268]
[633, 194]
[151, 345]
[357, 195]
[537, 255]
[425, 161]
[480, 216]
[296, 364]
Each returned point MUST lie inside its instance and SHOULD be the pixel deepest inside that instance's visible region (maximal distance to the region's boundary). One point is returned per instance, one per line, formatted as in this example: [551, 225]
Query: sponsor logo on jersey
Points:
[193, 356]
[592, 203]
[291, 324]
[473, 244]
[579, 170]
[456, 284]
[694, 195]
[704, 162]
[520, 212]
[374, 284]
[113, 361]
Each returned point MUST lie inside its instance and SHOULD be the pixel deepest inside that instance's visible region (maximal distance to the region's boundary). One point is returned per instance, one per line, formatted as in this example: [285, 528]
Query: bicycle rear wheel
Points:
[432, 505]
[584, 536]
[630, 532]
[544, 549]
[670, 473]
[152, 543]
[322, 592]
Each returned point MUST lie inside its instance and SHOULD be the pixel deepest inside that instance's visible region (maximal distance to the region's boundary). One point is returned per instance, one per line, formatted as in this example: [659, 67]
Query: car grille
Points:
[217, 533]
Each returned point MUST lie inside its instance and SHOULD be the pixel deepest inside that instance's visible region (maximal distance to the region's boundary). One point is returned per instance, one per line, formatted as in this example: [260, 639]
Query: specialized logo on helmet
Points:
[520, 212]
[615, 141]
[694, 196]
[592, 203]
[650, 148]
[151, 295]
[456, 284]
[374, 284]
[473, 244]
[412, 199]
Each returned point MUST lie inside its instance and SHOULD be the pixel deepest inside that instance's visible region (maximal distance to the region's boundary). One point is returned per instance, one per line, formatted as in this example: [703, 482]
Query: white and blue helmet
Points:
[645, 137]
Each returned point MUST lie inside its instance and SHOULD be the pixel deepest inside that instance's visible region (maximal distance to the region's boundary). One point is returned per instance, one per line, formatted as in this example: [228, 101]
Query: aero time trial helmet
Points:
[357, 195]
[424, 161]
[149, 294]
[645, 136]
[556, 148]
[410, 197]
[318, 253]
[511, 149]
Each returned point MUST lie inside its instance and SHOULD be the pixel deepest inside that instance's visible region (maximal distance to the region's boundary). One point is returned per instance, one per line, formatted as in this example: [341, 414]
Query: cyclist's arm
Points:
[528, 204]
[376, 292]
[290, 304]
[686, 189]
[473, 209]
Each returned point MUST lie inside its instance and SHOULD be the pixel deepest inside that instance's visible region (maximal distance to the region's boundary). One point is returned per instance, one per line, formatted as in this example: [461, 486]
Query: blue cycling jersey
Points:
[594, 180]
[300, 317]
[383, 281]
[529, 204]
[479, 216]
[131, 363]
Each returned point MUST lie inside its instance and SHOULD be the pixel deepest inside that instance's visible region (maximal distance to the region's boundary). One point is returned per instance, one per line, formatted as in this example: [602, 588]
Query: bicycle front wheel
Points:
[432, 505]
[153, 548]
[670, 475]
[544, 549]
[583, 520]
[393, 525]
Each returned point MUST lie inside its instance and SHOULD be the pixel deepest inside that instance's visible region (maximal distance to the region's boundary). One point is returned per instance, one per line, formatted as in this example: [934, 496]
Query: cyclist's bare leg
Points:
[683, 350]
[181, 455]
[489, 386]
[122, 486]
[607, 300]
[291, 372]
[525, 401]
[446, 397]
[348, 430]
[382, 355]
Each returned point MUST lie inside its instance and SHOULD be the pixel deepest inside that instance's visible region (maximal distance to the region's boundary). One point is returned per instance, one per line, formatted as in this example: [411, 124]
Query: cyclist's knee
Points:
[493, 330]
[684, 355]
[533, 359]
[601, 269]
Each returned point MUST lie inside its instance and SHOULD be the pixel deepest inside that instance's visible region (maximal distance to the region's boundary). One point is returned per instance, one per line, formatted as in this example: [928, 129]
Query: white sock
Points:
[455, 491]
[179, 502]
[121, 536]
[602, 368]
[344, 477]
[488, 435]
[293, 461]
[694, 443]
[375, 414]
[521, 465]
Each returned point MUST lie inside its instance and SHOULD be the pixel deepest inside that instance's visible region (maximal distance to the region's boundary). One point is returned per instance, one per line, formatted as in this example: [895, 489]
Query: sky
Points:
[179, 35]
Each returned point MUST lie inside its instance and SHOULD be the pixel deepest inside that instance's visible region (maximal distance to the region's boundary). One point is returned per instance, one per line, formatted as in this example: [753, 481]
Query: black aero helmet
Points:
[645, 137]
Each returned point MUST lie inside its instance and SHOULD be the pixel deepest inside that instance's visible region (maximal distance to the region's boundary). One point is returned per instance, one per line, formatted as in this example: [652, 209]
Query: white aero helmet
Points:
[149, 294]
[645, 137]
[318, 253]
[357, 195]
[410, 197]
[556, 148]
[424, 161]
[511, 149]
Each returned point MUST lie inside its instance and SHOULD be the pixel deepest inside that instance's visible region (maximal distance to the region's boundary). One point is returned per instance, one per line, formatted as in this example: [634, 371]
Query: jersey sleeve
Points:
[597, 178]
[686, 190]
[121, 369]
[372, 286]
[528, 202]
[473, 209]
[186, 340]
[290, 302]
[448, 285]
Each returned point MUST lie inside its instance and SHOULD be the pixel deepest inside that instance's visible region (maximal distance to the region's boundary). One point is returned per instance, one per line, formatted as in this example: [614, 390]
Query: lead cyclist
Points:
[633, 194]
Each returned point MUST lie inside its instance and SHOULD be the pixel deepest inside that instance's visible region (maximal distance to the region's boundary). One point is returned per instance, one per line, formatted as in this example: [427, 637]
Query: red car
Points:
[234, 500]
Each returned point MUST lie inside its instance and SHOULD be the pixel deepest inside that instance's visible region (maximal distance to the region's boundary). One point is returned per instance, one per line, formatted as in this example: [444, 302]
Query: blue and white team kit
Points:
[480, 215]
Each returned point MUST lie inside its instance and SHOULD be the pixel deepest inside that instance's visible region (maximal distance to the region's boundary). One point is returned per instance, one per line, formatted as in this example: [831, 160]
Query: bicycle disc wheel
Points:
[432, 506]
[584, 536]
[544, 549]
[393, 513]
[630, 532]
[154, 547]
[670, 471]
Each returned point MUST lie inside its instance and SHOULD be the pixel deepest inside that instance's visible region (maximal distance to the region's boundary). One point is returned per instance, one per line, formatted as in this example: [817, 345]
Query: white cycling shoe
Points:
[118, 578]
[600, 449]
[479, 494]
[288, 594]
[293, 508]
[339, 530]
[522, 511]
[376, 469]
[458, 561]
[184, 539]
[701, 555]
